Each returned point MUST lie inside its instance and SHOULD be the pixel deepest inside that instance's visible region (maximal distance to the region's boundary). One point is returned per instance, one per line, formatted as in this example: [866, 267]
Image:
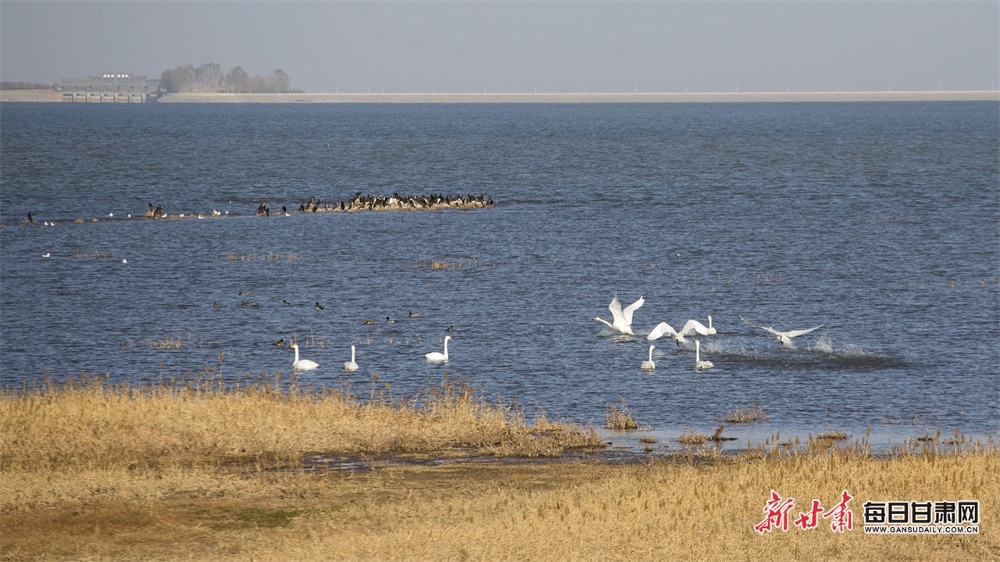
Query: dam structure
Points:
[110, 88]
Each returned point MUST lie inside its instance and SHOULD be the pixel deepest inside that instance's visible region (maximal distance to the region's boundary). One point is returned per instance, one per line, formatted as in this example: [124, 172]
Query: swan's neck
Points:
[352, 354]
[605, 322]
[296, 354]
[446, 349]
[697, 352]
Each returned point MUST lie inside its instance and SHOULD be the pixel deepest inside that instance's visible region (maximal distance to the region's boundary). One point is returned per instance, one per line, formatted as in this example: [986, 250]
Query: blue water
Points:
[880, 221]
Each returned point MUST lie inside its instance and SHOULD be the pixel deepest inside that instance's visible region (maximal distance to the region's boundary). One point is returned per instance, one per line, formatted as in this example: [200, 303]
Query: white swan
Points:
[664, 328]
[698, 363]
[699, 328]
[350, 366]
[649, 365]
[438, 357]
[784, 337]
[302, 364]
[622, 319]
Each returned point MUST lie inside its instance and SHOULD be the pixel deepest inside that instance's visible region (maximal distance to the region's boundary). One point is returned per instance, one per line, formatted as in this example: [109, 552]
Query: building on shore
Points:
[110, 88]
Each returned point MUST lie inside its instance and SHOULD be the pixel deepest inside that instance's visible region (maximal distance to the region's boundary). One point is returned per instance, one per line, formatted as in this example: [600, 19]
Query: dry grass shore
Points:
[208, 471]
[565, 97]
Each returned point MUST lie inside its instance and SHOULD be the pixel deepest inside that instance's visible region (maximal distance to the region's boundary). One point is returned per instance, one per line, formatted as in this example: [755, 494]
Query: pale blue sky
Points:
[648, 46]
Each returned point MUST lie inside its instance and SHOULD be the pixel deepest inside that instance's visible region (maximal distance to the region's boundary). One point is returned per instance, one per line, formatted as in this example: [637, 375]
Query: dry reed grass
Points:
[676, 507]
[166, 343]
[213, 472]
[90, 424]
[752, 414]
[690, 437]
[619, 417]
[832, 435]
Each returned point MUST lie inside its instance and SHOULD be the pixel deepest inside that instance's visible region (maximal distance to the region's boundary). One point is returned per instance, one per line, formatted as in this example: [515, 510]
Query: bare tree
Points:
[237, 80]
[283, 81]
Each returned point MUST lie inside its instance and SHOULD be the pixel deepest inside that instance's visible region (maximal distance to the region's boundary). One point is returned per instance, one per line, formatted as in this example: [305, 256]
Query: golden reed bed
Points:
[206, 471]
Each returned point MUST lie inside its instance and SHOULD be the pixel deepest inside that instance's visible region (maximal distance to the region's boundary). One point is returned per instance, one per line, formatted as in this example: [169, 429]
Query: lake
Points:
[879, 221]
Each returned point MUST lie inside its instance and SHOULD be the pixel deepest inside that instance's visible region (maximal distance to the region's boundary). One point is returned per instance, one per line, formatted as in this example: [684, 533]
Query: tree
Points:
[208, 76]
[283, 81]
[237, 80]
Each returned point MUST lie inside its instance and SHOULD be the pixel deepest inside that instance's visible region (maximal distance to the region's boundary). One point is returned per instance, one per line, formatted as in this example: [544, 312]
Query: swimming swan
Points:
[351, 366]
[438, 357]
[698, 363]
[664, 328]
[784, 337]
[649, 365]
[622, 319]
[302, 364]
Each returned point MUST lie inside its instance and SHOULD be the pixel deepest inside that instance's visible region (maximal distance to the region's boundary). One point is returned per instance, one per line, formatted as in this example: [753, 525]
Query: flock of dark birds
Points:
[394, 202]
[359, 202]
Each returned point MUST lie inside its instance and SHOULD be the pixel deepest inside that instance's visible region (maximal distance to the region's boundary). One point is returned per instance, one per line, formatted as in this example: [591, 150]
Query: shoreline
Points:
[596, 97]
[12, 96]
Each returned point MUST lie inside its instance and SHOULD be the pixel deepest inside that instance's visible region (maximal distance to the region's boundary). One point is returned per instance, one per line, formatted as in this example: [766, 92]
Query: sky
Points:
[506, 46]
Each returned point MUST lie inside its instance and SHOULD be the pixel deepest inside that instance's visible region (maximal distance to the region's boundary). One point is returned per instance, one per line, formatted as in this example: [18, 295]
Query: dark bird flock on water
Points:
[357, 203]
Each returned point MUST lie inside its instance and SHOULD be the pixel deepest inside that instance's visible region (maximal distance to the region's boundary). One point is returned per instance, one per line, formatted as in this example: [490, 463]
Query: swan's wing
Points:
[659, 330]
[797, 333]
[616, 311]
[627, 313]
[694, 326]
[769, 329]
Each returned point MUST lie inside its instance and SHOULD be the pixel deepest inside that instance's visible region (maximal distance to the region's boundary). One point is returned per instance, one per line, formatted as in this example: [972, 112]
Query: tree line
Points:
[209, 77]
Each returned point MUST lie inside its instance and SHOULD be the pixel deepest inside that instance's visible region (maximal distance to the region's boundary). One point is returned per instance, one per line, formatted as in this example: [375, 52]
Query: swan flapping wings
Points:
[696, 327]
[784, 337]
[621, 319]
[664, 328]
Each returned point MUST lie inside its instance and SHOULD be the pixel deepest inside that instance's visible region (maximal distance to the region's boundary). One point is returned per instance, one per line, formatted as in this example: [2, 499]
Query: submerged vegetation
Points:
[263, 469]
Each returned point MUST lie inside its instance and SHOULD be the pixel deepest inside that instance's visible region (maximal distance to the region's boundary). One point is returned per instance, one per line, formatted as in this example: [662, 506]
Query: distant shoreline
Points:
[596, 97]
